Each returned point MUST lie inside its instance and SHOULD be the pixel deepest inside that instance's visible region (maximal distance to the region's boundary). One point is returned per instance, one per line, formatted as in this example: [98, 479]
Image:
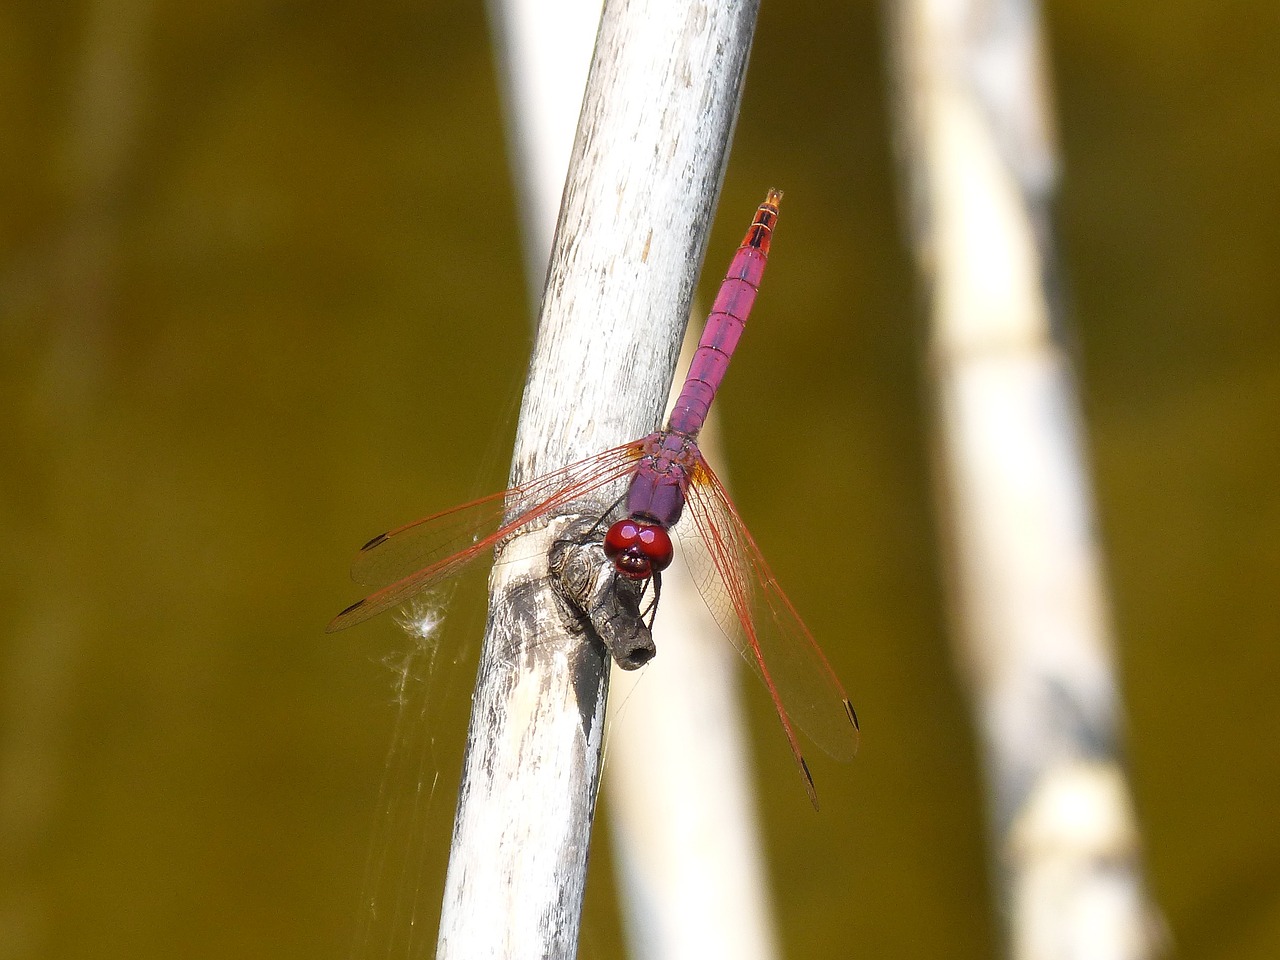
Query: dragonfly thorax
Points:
[657, 490]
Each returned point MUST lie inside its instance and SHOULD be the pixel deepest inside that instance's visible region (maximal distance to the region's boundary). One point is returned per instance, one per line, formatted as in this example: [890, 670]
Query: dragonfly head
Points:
[638, 549]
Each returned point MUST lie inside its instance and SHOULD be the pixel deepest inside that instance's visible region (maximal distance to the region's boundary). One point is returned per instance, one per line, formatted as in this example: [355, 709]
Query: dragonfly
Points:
[671, 489]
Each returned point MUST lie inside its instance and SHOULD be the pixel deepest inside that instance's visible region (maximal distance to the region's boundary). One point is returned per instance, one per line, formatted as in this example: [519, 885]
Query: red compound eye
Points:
[638, 549]
[656, 544]
[621, 535]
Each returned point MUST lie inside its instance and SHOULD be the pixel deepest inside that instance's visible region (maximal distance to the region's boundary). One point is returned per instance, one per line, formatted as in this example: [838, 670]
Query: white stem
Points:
[683, 822]
[646, 168]
[1030, 607]
[543, 53]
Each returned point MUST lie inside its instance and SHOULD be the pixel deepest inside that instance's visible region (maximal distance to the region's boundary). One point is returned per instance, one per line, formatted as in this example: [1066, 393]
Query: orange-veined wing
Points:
[410, 559]
[751, 609]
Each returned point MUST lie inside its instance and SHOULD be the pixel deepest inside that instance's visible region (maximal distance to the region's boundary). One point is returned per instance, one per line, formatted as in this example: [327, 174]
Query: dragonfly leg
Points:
[603, 519]
[576, 536]
[651, 609]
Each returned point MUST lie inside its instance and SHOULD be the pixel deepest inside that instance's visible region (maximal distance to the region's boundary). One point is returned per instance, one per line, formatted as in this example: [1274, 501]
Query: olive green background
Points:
[260, 298]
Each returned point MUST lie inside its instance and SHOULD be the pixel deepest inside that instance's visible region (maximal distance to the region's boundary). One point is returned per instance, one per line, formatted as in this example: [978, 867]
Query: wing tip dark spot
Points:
[336, 623]
[853, 715]
[373, 543]
[809, 788]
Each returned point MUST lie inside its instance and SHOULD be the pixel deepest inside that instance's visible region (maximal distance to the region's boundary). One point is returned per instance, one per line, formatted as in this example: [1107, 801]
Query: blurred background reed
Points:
[261, 297]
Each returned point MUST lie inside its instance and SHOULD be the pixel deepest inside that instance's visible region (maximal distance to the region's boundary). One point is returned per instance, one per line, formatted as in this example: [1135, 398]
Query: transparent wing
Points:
[746, 601]
[405, 561]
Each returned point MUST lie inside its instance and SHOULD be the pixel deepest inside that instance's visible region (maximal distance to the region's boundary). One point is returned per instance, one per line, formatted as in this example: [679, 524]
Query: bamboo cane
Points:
[645, 170]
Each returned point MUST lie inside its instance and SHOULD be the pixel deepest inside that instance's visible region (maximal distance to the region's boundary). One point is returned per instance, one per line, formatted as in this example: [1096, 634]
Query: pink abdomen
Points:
[724, 325]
